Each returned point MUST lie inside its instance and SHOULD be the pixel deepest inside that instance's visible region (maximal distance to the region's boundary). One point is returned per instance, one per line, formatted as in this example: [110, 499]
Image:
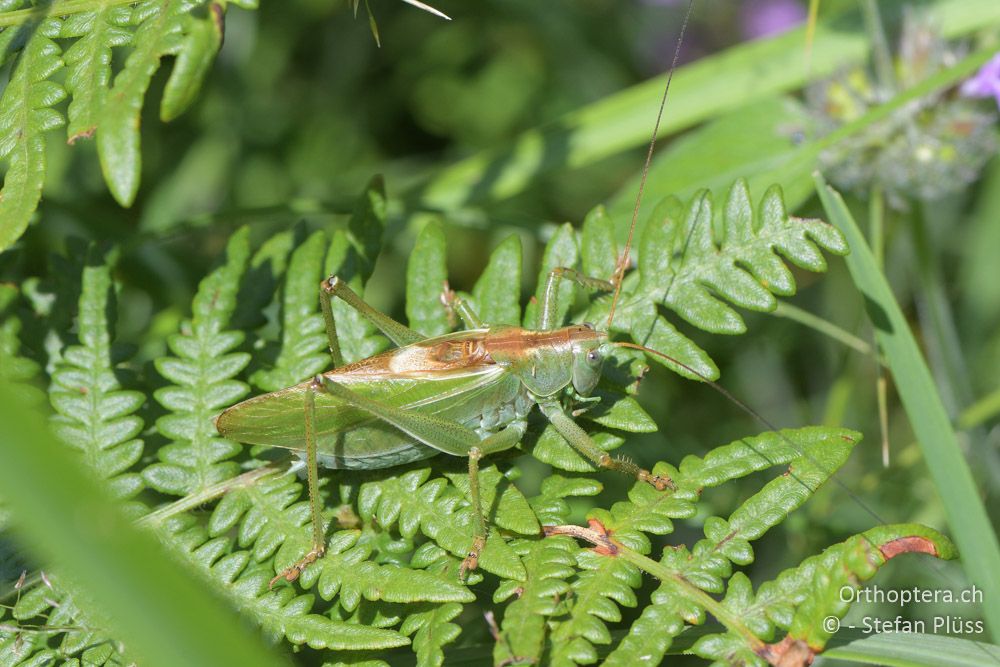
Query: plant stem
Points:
[607, 545]
[880, 48]
[982, 410]
[876, 237]
[207, 494]
[823, 326]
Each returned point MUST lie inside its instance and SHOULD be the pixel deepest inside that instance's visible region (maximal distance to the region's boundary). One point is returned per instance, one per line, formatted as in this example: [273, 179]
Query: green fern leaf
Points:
[202, 376]
[352, 258]
[280, 612]
[263, 514]
[94, 414]
[195, 54]
[426, 277]
[598, 248]
[159, 32]
[347, 573]
[88, 62]
[553, 449]
[511, 510]
[432, 630]
[802, 598]
[648, 638]
[496, 296]
[100, 102]
[688, 271]
[14, 367]
[25, 116]
[437, 510]
[550, 504]
[303, 339]
[549, 564]
[601, 586]
[51, 606]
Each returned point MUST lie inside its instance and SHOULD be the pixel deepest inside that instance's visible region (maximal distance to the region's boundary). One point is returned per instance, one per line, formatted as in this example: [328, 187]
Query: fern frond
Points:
[102, 101]
[264, 514]
[303, 341]
[496, 296]
[606, 583]
[602, 585]
[88, 63]
[95, 415]
[432, 629]
[648, 638]
[549, 564]
[812, 454]
[202, 375]
[26, 114]
[684, 267]
[802, 599]
[14, 367]
[280, 612]
[426, 277]
[352, 256]
[51, 625]
[160, 31]
[438, 510]
[689, 268]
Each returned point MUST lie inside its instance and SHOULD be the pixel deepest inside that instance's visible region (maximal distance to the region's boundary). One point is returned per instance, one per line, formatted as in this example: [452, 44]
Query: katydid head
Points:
[590, 349]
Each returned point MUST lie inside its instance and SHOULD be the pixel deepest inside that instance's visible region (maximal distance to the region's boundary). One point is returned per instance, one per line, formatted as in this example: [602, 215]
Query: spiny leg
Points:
[471, 561]
[496, 442]
[312, 478]
[334, 286]
[445, 436]
[550, 298]
[582, 443]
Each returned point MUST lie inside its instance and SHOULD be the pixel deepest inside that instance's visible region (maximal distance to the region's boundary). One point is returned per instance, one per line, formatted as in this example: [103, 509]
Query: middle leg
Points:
[582, 443]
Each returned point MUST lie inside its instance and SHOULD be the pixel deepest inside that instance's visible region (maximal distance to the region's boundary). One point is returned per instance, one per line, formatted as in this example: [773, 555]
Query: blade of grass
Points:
[965, 512]
[707, 88]
[161, 613]
[910, 649]
[791, 165]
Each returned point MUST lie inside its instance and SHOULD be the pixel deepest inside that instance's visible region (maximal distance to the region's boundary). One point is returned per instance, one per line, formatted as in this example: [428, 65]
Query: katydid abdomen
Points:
[483, 398]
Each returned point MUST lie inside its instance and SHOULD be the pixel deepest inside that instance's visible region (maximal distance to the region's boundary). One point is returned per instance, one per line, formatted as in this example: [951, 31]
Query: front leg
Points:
[550, 298]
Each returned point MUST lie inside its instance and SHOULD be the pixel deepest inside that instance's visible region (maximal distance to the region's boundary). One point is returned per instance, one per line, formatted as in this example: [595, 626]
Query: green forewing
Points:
[349, 438]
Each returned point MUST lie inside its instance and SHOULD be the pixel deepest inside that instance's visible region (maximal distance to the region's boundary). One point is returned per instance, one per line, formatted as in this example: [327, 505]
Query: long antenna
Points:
[623, 261]
[766, 423]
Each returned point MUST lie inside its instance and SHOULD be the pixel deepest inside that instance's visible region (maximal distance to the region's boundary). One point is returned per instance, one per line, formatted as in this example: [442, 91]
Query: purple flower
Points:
[986, 82]
[761, 18]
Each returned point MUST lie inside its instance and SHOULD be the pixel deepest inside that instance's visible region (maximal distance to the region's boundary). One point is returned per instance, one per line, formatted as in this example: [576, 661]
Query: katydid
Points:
[464, 394]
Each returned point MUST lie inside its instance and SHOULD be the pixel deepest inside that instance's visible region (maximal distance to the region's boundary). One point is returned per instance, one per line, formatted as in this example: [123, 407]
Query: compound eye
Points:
[593, 357]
